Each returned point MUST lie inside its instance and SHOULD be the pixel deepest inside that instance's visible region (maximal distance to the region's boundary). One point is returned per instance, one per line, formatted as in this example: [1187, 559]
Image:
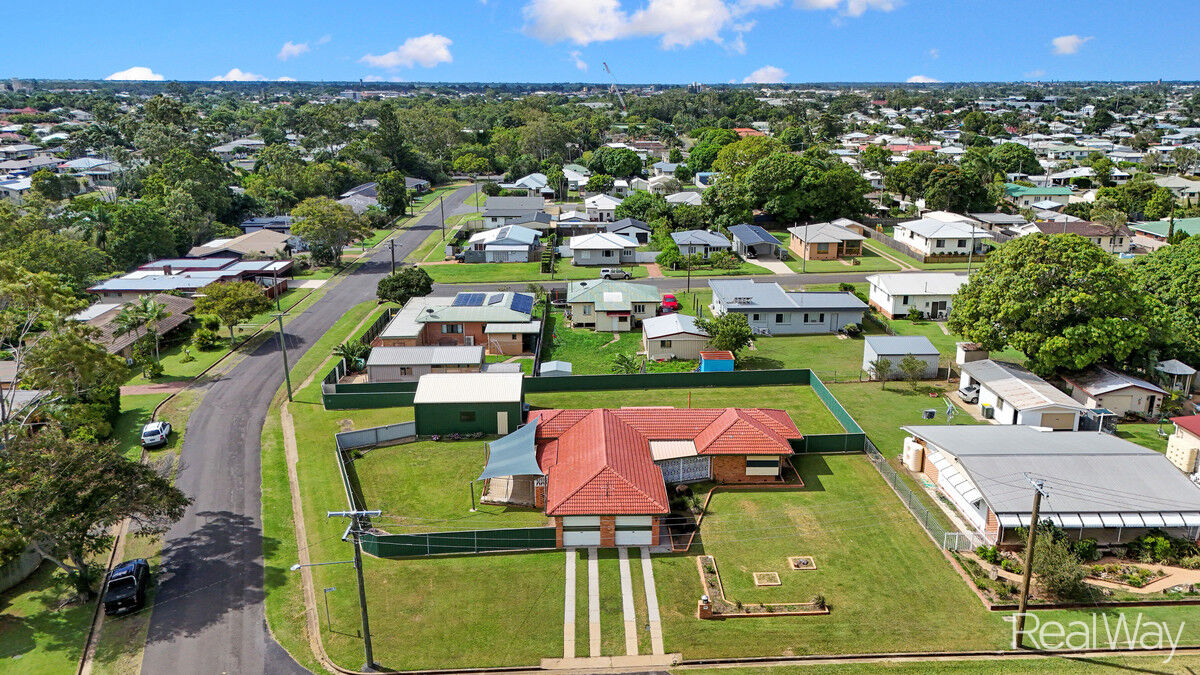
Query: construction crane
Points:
[613, 88]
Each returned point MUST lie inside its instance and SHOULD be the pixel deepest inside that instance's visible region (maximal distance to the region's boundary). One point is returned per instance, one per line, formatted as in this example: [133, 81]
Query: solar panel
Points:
[522, 303]
[469, 299]
[494, 298]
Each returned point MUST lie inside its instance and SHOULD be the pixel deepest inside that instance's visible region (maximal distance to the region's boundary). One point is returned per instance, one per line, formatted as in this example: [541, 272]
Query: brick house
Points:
[606, 471]
[502, 322]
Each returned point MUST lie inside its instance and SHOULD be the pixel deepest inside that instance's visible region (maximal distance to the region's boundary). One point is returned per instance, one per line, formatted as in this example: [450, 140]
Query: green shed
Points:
[464, 403]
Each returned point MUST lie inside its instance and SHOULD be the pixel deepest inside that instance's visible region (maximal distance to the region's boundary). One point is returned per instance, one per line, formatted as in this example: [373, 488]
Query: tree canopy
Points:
[328, 227]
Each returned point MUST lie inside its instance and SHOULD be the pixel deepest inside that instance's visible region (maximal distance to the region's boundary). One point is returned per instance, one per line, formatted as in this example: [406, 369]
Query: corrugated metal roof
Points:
[426, 356]
[520, 327]
[1020, 388]
[660, 450]
[469, 388]
[918, 283]
[404, 324]
[671, 324]
[1099, 381]
[918, 345]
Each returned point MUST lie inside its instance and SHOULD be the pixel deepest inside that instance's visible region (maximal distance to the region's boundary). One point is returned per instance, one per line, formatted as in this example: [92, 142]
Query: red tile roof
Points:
[1189, 423]
[599, 462]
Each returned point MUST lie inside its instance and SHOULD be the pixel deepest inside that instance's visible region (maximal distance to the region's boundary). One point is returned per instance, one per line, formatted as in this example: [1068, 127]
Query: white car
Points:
[155, 433]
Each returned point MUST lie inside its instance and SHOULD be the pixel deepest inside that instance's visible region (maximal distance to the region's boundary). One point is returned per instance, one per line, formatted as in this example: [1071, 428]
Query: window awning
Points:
[513, 455]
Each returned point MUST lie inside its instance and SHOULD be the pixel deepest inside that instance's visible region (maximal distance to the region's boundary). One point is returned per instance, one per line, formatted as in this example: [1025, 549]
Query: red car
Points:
[670, 304]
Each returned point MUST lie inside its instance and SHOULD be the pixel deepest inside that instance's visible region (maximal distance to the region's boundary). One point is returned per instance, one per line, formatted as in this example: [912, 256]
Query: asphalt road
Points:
[208, 616]
[671, 283]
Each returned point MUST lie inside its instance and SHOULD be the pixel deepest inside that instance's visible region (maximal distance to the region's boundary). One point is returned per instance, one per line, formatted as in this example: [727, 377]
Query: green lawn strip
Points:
[1146, 435]
[135, 413]
[38, 632]
[1065, 665]
[832, 357]
[314, 273]
[640, 613]
[434, 247]
[482, 273]
[807, 411]
[612, 619]
[425, 485]
[745, 268]
[439, 612]
[869, 261]
[526, 362]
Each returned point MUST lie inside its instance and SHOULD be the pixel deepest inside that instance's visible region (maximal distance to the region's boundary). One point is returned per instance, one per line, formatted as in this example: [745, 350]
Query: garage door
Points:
[1060, 421]
[634, 530]
[581, 531]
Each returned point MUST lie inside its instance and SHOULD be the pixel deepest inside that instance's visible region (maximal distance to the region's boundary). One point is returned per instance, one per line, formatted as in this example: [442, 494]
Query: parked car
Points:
[969, 394]
[155, 433]
[126, 587]
[614, 273]
[670, 304]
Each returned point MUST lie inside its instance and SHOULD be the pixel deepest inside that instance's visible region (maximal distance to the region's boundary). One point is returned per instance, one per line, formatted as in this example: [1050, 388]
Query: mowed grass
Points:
[423, 486]
[39, 631]
[869, 261]
[878, 247]
[1146, 435]
[1033, 666]
[831, 356]
[806, 410]
[591, 352]
[745, 268]
[482, 273]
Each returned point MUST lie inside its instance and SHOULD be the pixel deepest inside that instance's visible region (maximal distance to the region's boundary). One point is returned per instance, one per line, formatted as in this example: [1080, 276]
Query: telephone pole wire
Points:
[1038, 491]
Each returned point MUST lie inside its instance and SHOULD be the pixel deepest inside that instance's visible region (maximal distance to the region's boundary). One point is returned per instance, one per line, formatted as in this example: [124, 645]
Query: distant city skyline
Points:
[643, 41]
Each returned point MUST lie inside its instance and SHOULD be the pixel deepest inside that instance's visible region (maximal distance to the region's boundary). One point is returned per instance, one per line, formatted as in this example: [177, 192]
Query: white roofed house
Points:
[499, 211]
[1017, 396]
[1123, 394]
[601, 249]
[689, 197]
[1101, 487]
[407, 364]
[510, 243]
[602, 207]
[770, 310]
[673, 336]
[930, 292]
[700, 242]
[933, 238]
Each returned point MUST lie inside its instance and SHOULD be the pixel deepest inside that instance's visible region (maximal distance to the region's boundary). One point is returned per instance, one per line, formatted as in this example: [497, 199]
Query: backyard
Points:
[591, 352]
[869, 261]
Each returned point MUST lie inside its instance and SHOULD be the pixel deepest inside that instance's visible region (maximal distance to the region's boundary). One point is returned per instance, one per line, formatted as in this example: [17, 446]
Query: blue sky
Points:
[642, 40]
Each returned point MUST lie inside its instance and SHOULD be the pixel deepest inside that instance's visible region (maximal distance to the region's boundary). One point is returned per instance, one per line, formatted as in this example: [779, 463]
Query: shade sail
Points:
[513, 455]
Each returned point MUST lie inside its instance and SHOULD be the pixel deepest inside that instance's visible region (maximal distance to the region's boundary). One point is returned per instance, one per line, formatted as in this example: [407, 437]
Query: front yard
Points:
[591, 353]
[869, 261]
[483, 273]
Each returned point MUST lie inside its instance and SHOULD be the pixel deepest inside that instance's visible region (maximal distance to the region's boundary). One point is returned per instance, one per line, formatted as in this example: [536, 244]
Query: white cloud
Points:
[238, 75]
[291, 50]
[136, 73]
[681, 23]
[380, 78]
[766, 75]
[1035, 74]
[1068, 44]
[577, 57]
[580, 21]
[427, 51]
[285, 78]
[933, 53]
[324, 39]
[743, 7]
[850, 7]
[922, 79]
[677, 23]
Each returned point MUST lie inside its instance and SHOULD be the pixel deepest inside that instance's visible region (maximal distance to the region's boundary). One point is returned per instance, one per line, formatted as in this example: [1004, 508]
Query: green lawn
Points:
[830, 356]
[1035, 666]
[878, 247]
[424, 484]
[39, 633]
[745, 268]
[465, 273]
[526, 362]
[591, 353]
[945, 342]
[315, 273]
[175, 369]
[869, 261]
[434, 247]
[1146, 435]
[807, 411]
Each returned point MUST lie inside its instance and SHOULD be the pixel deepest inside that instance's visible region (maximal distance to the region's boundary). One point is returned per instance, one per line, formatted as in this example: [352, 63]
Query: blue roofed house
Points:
[700, 242]
[752, 241]
[664, 168]
[770, 310]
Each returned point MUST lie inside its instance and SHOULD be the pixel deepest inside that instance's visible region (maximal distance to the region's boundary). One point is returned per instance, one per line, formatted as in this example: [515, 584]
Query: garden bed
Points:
[1126, 574]
[720, 607]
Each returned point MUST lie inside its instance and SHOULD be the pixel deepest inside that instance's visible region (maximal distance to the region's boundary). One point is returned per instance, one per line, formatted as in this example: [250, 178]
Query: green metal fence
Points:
[848, 442]
[462, 542]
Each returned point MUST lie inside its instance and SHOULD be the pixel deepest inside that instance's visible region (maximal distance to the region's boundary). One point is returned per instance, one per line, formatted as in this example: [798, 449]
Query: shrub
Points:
[989, 553]
[1009, 565]
[852, 329]
[915, 314]
[724, 260]
[818, 601]
[1192, 562]
[1086, 550]
[206, 339]
[209, 321]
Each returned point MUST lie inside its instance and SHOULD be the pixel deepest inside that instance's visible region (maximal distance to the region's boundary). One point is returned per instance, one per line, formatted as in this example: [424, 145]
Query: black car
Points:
[126, 588]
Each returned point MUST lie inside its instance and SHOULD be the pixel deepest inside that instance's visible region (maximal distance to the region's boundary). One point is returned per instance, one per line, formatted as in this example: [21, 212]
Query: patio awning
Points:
[513, 455]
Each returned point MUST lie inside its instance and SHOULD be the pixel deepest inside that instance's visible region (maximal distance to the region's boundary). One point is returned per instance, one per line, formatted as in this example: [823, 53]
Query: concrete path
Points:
[776, 266]
[631, 641]
[307, 283]
[656, 635]
[593, 602]
[569, 608]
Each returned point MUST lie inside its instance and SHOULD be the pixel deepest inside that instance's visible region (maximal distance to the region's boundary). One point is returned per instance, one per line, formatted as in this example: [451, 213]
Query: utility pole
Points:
[442, 209]
[1038, 491]
[287, 375]
[356, 527]
[392, 242]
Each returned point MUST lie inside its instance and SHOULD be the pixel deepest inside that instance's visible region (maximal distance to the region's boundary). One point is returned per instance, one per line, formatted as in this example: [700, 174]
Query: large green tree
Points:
[1172, 275]
[1059, 299]
[393, 193]
[63, 495]
[408, 283]
[1015, 158]
[232, 302]
[327, 227]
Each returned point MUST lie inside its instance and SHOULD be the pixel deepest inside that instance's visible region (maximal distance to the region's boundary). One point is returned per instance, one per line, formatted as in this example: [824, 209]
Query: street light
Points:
[328, 623]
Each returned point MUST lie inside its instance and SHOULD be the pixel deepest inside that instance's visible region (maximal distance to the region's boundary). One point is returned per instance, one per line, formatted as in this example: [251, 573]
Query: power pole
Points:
[1038, 491]
[442, 209]
[356, 526]
[287, 375]
[392, 242]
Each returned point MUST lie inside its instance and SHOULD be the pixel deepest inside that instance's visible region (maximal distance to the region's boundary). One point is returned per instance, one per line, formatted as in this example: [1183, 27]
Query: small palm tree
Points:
[128, 320]
[625, 364]
[152, 313]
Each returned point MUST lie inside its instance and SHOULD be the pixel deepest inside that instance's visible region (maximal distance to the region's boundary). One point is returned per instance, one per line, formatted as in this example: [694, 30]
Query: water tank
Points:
[914, 454]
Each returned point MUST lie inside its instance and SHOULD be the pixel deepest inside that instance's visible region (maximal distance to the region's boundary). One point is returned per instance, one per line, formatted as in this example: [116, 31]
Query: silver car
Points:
[155, 433]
